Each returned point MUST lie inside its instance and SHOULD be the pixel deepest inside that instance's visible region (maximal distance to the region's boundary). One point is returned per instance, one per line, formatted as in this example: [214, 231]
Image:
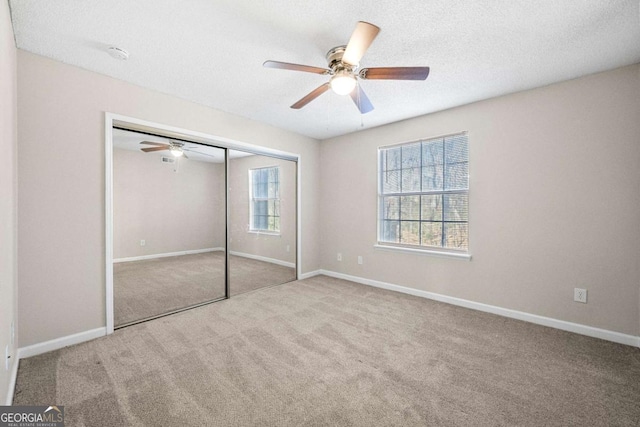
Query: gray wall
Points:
[170, 211]
[8, 194]
[554, 202]
[61, 244]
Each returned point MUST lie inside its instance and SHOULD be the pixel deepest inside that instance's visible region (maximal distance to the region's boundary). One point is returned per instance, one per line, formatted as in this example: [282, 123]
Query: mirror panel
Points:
[169, 226]
[262, 221]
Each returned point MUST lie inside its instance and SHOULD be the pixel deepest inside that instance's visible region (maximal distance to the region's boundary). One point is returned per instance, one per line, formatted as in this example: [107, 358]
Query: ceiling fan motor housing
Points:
[334, 59]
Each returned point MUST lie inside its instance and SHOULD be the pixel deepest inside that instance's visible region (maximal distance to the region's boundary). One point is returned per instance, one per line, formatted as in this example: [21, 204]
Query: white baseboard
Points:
[577, 328]
[310, 274]
[58, 343]
[12, 381]
[265, 259]
[168, 254]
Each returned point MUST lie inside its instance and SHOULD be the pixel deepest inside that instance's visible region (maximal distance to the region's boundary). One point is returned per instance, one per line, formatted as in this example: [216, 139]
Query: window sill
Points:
[268, 233]
[430, 252]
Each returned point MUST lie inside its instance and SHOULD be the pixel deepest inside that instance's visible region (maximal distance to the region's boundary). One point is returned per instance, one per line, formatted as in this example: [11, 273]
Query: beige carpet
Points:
[248, 274]
[322, 352]
[148, 288]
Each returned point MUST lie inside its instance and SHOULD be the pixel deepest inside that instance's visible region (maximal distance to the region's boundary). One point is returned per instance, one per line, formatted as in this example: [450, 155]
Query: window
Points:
[264, 184]
[424, 194]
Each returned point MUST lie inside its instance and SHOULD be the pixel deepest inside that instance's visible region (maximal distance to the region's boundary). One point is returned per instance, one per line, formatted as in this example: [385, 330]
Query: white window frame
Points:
[412, 248]
[252, 199]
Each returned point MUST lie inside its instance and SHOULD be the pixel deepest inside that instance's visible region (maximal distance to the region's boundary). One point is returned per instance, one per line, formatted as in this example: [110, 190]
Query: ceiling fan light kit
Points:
[176, 151]
[343, 82]
[343, 63]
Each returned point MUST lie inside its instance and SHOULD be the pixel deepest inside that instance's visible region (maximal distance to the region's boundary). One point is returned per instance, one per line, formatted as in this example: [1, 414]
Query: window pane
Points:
[273, 174]
[432, 178]
[391, 159]
[391, 207]
[255, 182]
[411, 155]
[276, 207]
[432, 153]
[260, 189]
[391, 182]
[457, 207]
[410, 232]
[257, 186]
[272, 208]
[456, 149]
[457, 162]
[390, 231]
[273, 190]
[260, 207]
[260, 222]
[431, 233]
[276, 224]
[410, 208]
[457, 235]
[410, 180]
[432, 207]
[457, 176]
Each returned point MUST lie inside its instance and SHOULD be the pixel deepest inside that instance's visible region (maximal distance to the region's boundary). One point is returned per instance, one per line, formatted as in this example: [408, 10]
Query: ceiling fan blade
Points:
[152, 143]
[311, 96]
[394, 73]
[150, 149]
[361, 100]
[295, 67]
[360, 40]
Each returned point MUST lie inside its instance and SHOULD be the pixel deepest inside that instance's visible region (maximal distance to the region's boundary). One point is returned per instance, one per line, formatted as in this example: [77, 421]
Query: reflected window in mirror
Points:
[264, 202]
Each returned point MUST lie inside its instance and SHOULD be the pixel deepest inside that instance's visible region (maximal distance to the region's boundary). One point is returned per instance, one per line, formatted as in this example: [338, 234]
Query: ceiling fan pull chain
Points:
[359, 104]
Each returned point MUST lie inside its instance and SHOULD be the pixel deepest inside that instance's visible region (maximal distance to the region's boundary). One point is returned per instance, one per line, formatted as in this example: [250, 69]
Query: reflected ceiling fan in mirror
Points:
[176, 148]
[343, 63]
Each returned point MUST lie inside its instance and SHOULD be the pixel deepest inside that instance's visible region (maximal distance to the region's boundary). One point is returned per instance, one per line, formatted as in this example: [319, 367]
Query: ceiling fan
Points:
[343, 62]
[176, 148]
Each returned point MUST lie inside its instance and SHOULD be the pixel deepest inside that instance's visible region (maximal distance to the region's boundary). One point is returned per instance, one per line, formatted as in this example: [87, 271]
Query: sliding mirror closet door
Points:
[262, 221]
[169, 231]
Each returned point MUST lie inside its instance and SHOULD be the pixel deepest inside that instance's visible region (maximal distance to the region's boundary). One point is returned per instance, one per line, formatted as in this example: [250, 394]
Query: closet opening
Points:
[193, 219]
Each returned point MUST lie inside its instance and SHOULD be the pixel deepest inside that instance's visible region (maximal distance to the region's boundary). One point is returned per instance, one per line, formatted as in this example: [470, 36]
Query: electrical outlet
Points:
[288, 248]
[142, 243]
[360, 260]
[580, 295]
[339, 256]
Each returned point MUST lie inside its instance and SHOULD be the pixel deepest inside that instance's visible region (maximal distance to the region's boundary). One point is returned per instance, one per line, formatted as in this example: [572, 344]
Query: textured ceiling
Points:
[211, 52]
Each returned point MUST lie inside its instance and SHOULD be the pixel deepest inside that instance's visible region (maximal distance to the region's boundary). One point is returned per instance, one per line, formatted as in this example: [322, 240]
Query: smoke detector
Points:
[118, 53]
